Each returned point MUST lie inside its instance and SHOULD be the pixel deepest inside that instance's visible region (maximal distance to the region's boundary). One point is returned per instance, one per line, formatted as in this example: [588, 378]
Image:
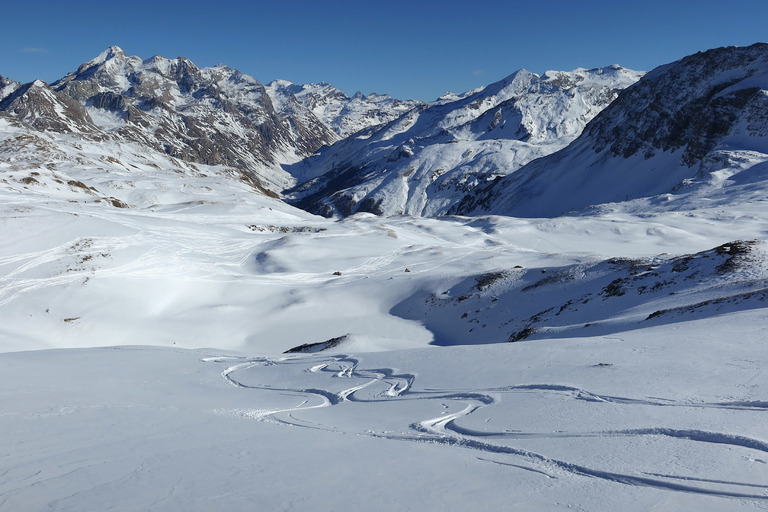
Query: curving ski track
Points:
[388, 385]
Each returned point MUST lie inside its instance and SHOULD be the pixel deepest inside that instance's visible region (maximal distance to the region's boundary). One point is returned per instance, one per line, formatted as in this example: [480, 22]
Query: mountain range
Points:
[548, 293]
[425, 161]
[693, 132]
[527, 145]
[213, 116]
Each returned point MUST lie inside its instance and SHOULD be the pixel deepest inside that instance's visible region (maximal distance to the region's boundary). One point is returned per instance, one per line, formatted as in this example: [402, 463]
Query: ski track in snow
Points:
[388, 384]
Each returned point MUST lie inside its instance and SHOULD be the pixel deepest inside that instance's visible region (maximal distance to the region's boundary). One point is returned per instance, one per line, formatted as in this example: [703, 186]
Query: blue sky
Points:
[409, 49]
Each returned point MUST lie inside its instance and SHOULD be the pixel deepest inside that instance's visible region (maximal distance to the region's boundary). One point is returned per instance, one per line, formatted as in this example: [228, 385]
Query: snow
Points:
[637, 421]
[628, 413]
[147, 305]
[335, 109]
[427, 160]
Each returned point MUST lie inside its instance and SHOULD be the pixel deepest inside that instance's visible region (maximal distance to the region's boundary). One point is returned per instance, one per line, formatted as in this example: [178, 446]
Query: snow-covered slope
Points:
[635, 379]
[655, 419]
[333, 107]
[593, 298]
[694, 130]
[118, 244]
[7, 86]
[429, 158]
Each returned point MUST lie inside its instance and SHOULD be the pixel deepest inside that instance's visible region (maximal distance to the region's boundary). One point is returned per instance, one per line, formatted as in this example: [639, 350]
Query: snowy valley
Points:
[545, 294]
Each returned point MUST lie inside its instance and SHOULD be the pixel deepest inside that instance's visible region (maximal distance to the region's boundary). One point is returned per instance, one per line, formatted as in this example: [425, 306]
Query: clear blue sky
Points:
[409, 49]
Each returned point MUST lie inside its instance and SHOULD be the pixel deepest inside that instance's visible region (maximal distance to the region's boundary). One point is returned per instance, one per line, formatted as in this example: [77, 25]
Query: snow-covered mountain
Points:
[333, 107]
[214, 116]
[694, 131]
[41, 108]
[427, 160]
[611, 360]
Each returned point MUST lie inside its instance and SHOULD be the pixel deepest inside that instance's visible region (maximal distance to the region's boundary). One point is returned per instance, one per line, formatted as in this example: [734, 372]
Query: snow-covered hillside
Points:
[688, 134]
[215, 116]
[655, 419]
[116, 244]
[424, 162]
[255, 355]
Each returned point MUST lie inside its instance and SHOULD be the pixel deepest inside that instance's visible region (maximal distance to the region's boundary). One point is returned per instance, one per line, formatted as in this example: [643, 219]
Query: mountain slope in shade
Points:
[594, 298]
[42, 108]
[695, 130]
[425, 161]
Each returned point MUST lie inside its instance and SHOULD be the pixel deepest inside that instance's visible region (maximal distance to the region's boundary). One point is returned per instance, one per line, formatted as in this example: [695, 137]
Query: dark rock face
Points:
[690, 104]
[108, 101]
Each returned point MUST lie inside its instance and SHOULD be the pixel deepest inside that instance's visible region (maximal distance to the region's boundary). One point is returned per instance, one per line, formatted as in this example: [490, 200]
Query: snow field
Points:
[664, 418]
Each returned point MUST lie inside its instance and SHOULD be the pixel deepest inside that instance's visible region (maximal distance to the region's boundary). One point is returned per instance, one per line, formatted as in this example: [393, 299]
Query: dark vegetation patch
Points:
[521, 334]
[615, 288]
[555, 277]
[317, 347]
[486, 280]
[736, 252]
[117, 203]
[79, 184]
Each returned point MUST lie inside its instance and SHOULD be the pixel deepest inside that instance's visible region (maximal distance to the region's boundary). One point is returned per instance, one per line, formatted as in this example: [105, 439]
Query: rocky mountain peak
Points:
[215, 116]
[425, 161]
[7, 86]
[43, 108]
[343, 114]
[110, 53]
[690, 104]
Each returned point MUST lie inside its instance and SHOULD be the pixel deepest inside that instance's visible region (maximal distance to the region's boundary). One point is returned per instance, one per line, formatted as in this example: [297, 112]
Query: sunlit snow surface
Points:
[663, 419]
[198, 285]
